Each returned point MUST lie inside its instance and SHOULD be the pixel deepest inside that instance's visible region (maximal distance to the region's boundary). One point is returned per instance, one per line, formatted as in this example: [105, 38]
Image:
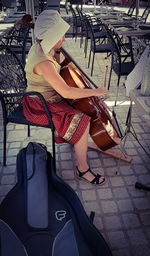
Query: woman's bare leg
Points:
[81, 155]
[81, 150]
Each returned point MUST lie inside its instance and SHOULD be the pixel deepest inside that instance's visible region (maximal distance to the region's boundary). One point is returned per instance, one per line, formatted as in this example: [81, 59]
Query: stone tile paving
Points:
[122, 212]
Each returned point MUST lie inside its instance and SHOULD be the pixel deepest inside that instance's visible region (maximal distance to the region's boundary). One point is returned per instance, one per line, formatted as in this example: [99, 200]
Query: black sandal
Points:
[96, 179]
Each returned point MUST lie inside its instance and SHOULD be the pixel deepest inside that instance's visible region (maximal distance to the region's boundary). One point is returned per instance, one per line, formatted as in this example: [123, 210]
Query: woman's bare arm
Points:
[48, 71]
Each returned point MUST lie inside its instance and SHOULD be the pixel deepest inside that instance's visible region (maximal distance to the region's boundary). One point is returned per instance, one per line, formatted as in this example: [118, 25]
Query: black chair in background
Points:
[77, 2]
[122, 61]
[143, 18]
[131, 9]
[21, 5]
[85, 29]
[12, 89]
[145, 14]
[76, 23]
[19, 41]
[98, 41]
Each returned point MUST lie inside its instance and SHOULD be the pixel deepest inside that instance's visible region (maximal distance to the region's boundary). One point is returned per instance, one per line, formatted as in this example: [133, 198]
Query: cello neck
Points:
[69, 59]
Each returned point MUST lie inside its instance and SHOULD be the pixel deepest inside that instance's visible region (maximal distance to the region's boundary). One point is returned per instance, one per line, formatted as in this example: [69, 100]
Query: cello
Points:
[104, 129]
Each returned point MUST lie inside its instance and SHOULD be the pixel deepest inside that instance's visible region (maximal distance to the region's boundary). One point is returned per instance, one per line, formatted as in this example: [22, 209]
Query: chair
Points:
[77, 2]
[131, 9]
[19, 41]
[122, 61]
[36, 7]
[12, 88]
[145, 15]
[66, 6]
[143, 18]
[98, 42]
[84, 31]
[21, 5]
[42, 5]
[76, 23]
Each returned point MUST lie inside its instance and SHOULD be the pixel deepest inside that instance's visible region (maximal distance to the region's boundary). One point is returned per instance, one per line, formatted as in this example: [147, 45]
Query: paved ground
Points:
[122, 212]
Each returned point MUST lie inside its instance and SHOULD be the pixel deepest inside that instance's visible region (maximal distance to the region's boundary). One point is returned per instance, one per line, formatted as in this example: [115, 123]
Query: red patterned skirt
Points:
[69, 123]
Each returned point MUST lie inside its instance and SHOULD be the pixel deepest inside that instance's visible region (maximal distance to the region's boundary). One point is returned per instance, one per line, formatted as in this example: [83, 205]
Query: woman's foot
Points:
[90, 176]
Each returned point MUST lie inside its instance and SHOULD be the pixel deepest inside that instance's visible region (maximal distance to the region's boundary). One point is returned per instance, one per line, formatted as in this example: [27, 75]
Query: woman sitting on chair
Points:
[42, 73]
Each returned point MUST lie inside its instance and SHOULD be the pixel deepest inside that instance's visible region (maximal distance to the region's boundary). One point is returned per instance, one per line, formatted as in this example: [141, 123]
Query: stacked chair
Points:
[91, 29]
[131, 9]
[98, 41]
[76, 23]
[143, 18]
[122, 61]
[145, 15]
[19, 41]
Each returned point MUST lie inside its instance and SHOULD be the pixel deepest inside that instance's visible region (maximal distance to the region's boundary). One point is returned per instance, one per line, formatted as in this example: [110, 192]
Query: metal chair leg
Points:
[89, 59]
[81, 41]
[85, 47]
[92, 63]
[117, 90]
[109, 79]
[4, 146]
[76, 32]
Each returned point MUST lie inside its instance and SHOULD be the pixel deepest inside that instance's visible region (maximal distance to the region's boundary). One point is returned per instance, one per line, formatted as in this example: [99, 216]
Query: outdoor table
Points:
[131, 32]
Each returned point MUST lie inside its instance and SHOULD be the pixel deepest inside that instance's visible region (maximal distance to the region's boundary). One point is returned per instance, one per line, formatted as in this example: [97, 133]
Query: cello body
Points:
[103, 128]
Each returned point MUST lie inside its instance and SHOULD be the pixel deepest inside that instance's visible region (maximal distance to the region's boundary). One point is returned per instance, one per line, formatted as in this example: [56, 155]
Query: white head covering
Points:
[50, 28]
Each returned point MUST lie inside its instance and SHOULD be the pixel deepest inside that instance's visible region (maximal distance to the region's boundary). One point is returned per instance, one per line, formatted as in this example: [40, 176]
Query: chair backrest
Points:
[81, 18]
[75, 17]
[78, 10]
[42, 5]
[25, 45]
[12, 78]
[18, 40]
[95, 28]
[90, 31]
[115, 51]
[77, 2]
[8, 37]
[73, 12]
[145, 14]
[21, 5]
[131, 9]
[18, 35]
